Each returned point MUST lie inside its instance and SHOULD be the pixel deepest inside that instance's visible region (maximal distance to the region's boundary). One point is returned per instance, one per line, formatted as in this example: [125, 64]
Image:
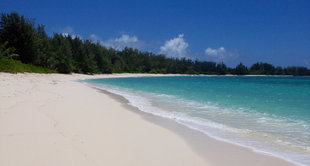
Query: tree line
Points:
[67, 54]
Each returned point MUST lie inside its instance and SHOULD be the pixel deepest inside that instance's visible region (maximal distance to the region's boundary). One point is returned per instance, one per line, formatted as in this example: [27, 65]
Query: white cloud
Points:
[175, 47]
[65, 34]
[216, 53]
[94, 38]
[307, 62]
[76, 36]
[126, 39]
[122, 42]
[219, 54]
[72, 35]
[67, 30]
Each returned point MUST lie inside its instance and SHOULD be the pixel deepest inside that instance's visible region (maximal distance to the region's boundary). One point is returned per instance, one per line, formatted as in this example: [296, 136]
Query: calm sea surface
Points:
[268, 114]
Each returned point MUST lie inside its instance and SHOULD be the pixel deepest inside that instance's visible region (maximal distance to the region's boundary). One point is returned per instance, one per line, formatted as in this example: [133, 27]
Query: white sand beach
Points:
[52, 120]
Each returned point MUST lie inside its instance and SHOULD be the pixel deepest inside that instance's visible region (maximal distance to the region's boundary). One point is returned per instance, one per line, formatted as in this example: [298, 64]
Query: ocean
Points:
[269, 114]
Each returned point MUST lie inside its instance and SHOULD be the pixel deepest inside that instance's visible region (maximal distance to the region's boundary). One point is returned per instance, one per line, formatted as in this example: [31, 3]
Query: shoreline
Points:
[197, 138]
[60, 120]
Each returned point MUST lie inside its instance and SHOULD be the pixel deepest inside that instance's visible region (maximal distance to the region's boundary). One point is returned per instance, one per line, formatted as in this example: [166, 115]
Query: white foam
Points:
[157, 104]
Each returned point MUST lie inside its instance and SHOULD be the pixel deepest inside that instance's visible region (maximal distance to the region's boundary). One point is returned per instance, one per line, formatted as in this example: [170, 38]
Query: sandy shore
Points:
[53, 120]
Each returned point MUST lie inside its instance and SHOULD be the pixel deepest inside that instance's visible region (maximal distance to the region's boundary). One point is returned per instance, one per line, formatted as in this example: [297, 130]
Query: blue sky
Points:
[236, 31]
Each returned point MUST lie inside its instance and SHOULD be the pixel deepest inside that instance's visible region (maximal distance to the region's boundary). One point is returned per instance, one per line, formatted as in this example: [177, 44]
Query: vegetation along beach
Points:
[172, 83]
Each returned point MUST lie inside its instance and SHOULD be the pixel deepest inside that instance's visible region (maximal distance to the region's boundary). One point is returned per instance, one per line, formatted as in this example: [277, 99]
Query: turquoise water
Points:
[268, 114]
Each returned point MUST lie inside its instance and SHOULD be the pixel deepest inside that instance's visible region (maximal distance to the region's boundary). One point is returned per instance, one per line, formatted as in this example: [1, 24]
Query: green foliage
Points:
[65, 54]
[297, 71]
[221, 68]
[241, 69]
[263, 68]
[9, 52]
[16, 66]
[61, 57]
[20, 34]
[43, 47]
